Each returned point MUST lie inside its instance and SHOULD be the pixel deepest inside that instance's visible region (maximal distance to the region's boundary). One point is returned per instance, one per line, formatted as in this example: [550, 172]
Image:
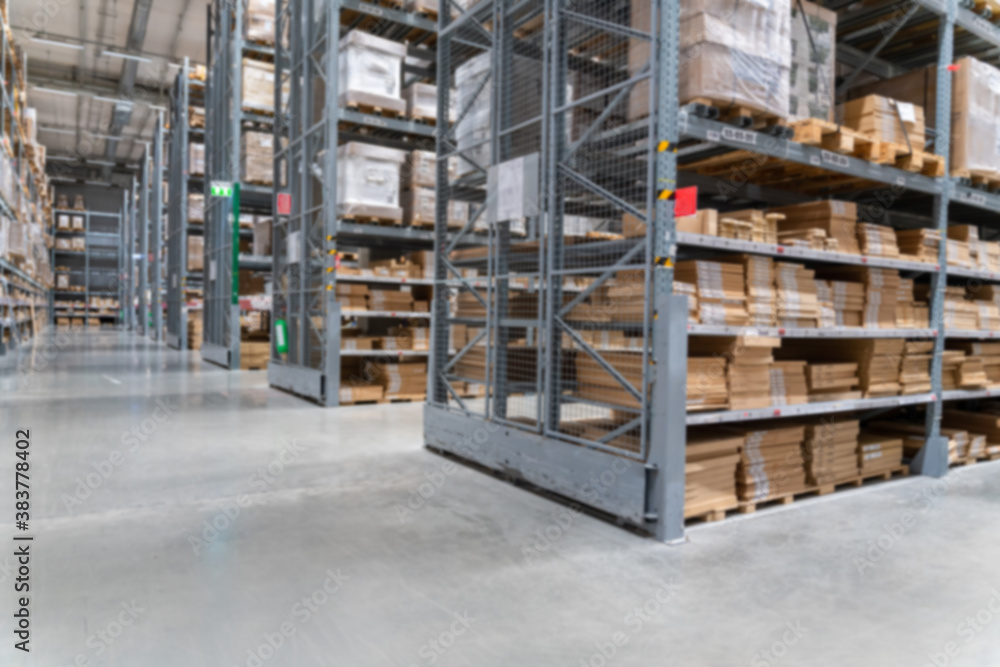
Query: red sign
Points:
[686, 201]
[284, 203]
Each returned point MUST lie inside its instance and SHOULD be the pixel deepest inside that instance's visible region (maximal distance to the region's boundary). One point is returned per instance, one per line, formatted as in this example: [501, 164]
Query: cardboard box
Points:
[257, 158]
[370, 72]
[195, 253]
[262, 236]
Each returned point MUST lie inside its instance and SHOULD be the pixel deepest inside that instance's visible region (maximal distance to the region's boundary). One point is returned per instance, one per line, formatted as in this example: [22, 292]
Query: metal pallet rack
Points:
[130, 278]
[306, 240]
[98, 272]
[185, 93]
[226, 121]
[524, 425]
[21, 295]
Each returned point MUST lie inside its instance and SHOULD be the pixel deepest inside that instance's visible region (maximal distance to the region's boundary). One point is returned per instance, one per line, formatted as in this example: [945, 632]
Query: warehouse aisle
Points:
[185, 515]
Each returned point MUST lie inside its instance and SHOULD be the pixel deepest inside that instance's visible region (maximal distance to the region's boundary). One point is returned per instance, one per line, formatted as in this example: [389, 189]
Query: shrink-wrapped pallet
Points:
[259, 22]
[732, 53]
[371, 72]
[368, 181]
[257, 158]
[812, 76]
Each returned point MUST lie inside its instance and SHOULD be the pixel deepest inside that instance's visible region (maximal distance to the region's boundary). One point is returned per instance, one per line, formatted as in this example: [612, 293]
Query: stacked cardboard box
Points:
[958, 254]
[257, 158]
[771, 461]
[877, 361]
[706, 384]
[712, 455]
[352, 296]
[832, 382]
[830, 450]
[812, 76]
[960, 371]
[797, 302]
[721, 291]
[761, 296]
[400, 300]
[748, 362]
[914, 436]
[195, 253]
[421, 101]
[919, 245]
[987, 312]
[915, 367]
[196, 209]
[691, 292]
[988, 352]
[750, 225]
[258, 86]
[984, 421]
[878, 453]
[840, 303]
[259, 21]
[196, 159]
[836, 219]
[959, 313]
[881, 292]
[368, 180]
[254, 355]
[877, 240]
[788, 383]
[975, 106]
[885, 119]
[406, 378]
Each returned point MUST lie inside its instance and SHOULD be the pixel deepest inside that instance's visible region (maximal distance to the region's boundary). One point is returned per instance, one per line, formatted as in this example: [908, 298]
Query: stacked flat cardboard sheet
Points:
[721, 291]
[771, 461]
[879, 452]
[838, 219]
[798, 305]
[831, 450]
[710, 469]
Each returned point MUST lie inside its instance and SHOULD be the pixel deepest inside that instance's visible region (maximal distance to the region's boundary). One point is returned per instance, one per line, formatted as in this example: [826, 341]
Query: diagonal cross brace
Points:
[611, 370]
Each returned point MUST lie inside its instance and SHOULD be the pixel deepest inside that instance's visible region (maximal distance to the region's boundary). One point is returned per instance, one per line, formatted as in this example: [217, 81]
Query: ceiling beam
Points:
[122, 113]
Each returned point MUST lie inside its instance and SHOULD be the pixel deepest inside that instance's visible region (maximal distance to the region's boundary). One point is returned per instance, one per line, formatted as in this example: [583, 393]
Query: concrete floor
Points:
[482, 574]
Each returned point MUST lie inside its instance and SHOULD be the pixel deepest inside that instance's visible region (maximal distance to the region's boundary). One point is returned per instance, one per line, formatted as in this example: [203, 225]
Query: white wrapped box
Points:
[258, 86]
[4, 230]
[371, 72]
[259, 22]
[420, 170]
[196, 208]
[196, 159]
[419, 205]
[257, 158]
[421, 101]
[368, 181]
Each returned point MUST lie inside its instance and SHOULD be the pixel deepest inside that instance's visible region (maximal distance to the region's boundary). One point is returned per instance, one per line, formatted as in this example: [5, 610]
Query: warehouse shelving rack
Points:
[225, 123]
[307, 239]
[185, 93]
[20, 296]
[129, 243]
[97, 268]
[516, 429]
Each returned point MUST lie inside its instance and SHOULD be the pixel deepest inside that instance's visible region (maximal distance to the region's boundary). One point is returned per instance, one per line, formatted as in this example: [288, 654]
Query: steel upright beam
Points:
[143, 221]
[932, 460]
[157, 229]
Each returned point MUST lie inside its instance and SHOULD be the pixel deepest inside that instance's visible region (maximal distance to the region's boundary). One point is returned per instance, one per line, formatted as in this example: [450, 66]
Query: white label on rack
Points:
[712, 135]
[211, 270]
[173, 281]
[906, 112]
[294, 245]
[814, 160]
[743, 136]
[900, 181]
[835, 159]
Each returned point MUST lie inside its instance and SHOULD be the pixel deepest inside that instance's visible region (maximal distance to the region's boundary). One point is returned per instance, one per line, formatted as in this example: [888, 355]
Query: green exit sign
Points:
[222, 189]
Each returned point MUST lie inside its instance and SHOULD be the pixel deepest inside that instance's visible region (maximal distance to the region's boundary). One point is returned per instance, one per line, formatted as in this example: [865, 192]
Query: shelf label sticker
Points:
[906, 112]
[712, 135]
[222, 188]
[814, 160]
[294, 247]
[901, 181]
[742, 136]
[211, 270]
[835, 159]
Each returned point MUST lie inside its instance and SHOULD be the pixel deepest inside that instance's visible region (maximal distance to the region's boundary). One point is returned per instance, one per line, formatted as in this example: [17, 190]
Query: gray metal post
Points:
[331, 222]
[932, 460]
[143, 222]
[156, 246]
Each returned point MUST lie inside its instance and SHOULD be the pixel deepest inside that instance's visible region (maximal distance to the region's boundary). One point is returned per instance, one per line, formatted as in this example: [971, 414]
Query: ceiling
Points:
[99, 108]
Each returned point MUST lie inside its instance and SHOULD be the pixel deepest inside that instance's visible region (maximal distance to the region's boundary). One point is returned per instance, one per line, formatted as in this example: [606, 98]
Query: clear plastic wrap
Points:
[812, 76]
[368, 181]
[371, 71]
[260, 21]
[258, 86]
[421, 101]
[732, 53]
[196, 159]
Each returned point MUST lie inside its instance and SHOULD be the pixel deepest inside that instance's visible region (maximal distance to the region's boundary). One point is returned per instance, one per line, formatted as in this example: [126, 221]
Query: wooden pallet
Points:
[740, 115]
[426, 120]
[844, 140]
[710, 516]
[372, 220]
[260, 111]
[374, 110]
[751, 506]
[405, 398]
[978, 178]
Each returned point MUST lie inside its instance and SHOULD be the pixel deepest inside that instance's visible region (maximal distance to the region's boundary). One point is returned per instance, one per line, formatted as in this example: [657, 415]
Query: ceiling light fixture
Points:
[39, 40]
[126, 56]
